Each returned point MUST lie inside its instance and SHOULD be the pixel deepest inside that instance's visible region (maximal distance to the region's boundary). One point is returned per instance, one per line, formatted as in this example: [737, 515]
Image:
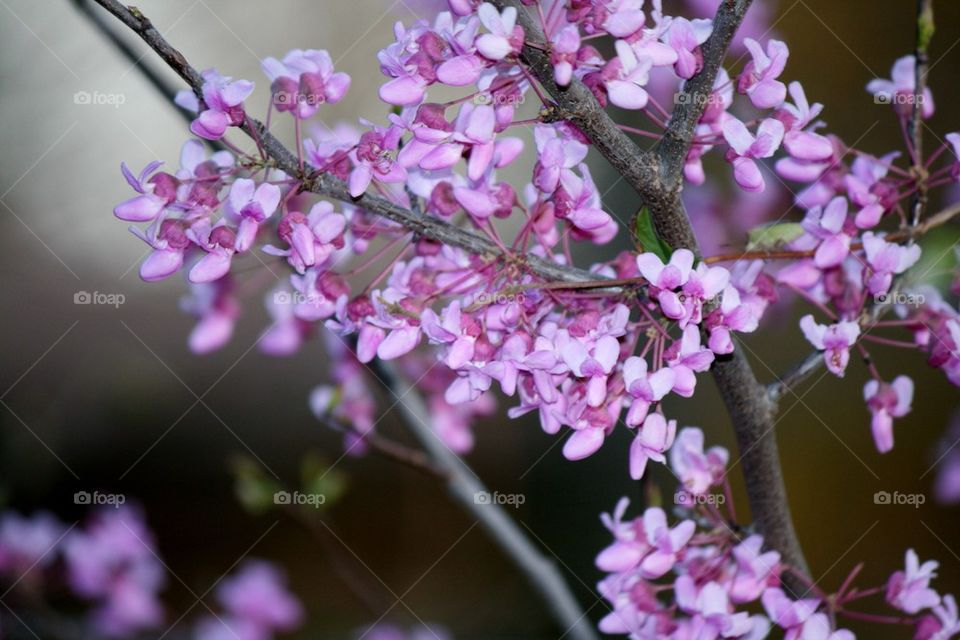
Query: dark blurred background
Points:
[103, 398]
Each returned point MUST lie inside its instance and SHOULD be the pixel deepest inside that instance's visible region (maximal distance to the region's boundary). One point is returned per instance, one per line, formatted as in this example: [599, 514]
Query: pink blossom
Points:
[251, 204]
[867, 188]
[800, 141]
[711, 604]
[686, 356]
[155, 194]
[505, 36]
[312, 239]
[630, 544]
[589, 359]
[372, 160]
[304, 80]
[665, 542]
[223, 100]
[213, 304]
[113, 563]
[556, 157]
[745, 149]
[909, 590]
[756, 570]
[697, 470]
[830, 226]
[563, 55]
[257, 594]
[886, 259]
[652, 440]
[834, 340]
[900, 89]
[28, 542]
[668, 276]
[759, 77]
[685, 37]
[645, 389]
[169, 242]
[625, 77]
[624, 17]
[578, 202]
[787, 613]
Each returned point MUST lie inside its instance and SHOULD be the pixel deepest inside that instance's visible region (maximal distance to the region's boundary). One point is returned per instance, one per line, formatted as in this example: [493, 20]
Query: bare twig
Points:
[925, 28]
[466, 488]
[917, 225]
[393, 450]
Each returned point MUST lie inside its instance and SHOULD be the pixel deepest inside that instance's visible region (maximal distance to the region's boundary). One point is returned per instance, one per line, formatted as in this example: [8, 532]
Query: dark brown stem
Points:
[657, 176]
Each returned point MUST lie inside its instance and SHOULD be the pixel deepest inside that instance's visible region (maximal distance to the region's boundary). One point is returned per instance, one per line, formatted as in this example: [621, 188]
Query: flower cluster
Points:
[702, 578]
[256, 605]
[603, 349]
[576, 358]
[112, 563]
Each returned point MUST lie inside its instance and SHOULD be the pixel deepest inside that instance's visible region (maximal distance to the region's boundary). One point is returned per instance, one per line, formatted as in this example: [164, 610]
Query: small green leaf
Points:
[773, 236]
[646, 236]
[254, 489]
[320, 479]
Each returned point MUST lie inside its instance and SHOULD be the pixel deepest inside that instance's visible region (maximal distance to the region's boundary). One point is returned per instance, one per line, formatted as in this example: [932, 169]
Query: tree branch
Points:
[656, 177]
[465, 487]
[328, 186]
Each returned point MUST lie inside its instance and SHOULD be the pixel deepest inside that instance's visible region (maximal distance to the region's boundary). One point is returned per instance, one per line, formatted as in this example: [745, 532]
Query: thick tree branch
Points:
[657, 178]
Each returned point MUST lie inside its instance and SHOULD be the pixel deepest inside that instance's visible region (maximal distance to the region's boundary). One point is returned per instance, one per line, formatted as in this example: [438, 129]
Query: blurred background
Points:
[104, 398]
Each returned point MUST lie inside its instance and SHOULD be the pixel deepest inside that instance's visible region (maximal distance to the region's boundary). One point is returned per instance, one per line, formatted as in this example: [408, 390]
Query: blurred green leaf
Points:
[254, 489]
[319, 479]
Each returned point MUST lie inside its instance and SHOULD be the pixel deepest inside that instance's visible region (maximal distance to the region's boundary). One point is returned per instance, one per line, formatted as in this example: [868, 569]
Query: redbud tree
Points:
[418, 264]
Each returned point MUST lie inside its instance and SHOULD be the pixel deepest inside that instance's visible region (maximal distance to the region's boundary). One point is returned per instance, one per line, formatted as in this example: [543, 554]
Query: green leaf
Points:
[773, 236]
[647, 238]
[253, 488]
[320, 479]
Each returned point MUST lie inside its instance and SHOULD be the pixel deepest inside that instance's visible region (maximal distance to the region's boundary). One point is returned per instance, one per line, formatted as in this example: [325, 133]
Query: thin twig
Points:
[466, 488]
[917, 225]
